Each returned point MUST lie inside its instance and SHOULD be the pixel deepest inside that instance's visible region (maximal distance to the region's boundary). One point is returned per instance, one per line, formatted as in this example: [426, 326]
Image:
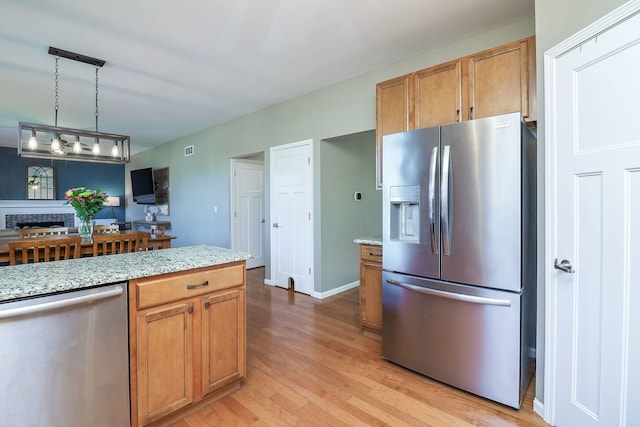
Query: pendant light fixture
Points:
[51, 142]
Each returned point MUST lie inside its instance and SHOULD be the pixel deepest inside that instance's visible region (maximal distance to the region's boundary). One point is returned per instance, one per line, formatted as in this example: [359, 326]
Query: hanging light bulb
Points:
[33, 144]
[55, 143]
[77, 148]
[115, 151]
[96, 147]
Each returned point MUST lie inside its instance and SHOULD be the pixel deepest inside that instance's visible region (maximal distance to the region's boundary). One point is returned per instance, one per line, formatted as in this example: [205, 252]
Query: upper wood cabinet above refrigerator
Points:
[495, 81]
[500, 80]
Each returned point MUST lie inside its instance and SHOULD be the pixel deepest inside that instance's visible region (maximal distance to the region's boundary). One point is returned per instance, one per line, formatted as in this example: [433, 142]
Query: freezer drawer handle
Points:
[53, 305]
[450, 295]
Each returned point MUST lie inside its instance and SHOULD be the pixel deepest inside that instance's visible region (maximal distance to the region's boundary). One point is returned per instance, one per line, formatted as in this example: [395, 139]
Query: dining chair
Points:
[106, 229]
[51, 248]
[29, 233]
[109, 244]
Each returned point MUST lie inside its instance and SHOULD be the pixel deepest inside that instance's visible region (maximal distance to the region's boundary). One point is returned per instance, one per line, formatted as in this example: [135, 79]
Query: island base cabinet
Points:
[223, 340]
[164, 361]
[187, 340]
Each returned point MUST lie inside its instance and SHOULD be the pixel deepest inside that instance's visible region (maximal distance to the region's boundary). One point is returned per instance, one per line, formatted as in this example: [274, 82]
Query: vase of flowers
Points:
[86, 203]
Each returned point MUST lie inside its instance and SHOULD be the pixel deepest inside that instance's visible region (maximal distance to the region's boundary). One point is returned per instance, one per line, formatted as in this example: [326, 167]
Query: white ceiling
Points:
[174, 67]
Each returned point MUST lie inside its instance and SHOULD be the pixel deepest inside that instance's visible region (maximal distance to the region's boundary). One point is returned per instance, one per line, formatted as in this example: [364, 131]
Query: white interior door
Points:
[593, 221]
[248, 209]
[291, 220]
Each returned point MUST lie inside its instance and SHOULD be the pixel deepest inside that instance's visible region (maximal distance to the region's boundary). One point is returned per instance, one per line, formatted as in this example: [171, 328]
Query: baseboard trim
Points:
[326, 294]
[335, 291]
[538, 407]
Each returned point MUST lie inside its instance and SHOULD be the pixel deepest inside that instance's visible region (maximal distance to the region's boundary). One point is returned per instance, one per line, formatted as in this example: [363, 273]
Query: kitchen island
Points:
[186, 320]
[32, 280]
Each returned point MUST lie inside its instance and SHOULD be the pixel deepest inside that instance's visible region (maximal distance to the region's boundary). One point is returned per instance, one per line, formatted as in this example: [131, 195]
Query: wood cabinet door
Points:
[438, 95]
[393, 113]
[164, 355]
[499, 81]
[223, 339]
[371, 295]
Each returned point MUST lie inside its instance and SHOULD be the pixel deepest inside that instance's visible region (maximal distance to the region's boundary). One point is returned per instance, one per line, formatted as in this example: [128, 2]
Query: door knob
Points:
[565, 265]
[275, 225]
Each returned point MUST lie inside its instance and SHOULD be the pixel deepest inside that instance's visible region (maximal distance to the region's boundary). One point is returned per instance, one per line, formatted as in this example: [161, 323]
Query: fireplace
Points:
[38, 220]
[15, 212]
[34, 224]
[20, 213]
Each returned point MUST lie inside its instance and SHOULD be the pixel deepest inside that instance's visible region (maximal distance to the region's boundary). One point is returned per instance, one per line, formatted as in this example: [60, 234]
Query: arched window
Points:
[40, 183]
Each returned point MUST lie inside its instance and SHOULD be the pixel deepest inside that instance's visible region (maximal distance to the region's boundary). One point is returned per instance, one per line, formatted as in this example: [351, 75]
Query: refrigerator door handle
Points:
[450, 295]
[432, 200]
[444, 202]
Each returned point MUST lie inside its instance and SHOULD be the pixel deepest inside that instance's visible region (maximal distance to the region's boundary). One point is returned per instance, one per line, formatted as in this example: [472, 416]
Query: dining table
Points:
[86, 249]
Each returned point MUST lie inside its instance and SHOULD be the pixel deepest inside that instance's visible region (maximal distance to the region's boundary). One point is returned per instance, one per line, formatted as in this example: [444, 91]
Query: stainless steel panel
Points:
[484, 202]
[65, 359]
[465, 336]
[409, 162]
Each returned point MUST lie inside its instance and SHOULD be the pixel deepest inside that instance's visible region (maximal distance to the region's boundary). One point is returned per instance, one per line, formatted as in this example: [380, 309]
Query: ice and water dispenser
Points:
[405, 213]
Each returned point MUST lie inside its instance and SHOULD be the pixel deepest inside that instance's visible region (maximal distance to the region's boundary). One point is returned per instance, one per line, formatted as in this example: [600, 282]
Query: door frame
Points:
[310, 194]
[232, 202]
[550, 217]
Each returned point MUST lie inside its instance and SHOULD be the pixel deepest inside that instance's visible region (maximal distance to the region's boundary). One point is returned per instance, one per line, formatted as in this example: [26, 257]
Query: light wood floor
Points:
[308, 363]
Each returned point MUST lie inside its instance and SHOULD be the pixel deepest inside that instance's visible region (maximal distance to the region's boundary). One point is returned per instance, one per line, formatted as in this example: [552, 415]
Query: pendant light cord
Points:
[56, 105]
[97, 68]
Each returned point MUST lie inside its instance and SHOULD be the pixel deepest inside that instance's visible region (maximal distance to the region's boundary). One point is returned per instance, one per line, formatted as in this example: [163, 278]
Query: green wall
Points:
[347, 165]
[555, 22]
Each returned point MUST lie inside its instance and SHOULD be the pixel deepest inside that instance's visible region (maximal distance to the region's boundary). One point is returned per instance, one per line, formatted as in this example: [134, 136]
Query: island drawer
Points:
[160, 290]
[371, 253]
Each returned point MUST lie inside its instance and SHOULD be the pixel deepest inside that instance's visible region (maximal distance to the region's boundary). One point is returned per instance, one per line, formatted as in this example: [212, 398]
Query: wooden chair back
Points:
[106, 229]
[52, 248]
[109, 244]
[30, 233]
[156, 231]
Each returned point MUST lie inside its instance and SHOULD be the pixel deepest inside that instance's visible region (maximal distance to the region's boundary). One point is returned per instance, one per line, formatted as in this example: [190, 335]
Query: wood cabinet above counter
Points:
[487, 83]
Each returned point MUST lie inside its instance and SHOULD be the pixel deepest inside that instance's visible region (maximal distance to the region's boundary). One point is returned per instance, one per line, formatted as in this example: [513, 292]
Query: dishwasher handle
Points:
[451, 295]
[63, 303]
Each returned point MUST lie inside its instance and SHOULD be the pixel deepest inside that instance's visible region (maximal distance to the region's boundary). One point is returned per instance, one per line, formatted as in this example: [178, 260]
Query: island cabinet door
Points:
[223, 339]
[164, 360]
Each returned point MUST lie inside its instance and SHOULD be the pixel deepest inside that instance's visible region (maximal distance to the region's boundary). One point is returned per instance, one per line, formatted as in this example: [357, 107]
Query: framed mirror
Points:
[41, 183]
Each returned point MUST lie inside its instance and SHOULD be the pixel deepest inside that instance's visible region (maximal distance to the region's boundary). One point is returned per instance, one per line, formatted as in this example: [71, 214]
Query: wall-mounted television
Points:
[142, 186]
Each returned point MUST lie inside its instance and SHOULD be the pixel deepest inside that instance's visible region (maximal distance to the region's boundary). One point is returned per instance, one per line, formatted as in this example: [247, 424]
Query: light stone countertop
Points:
[30, 280]
[369, 240]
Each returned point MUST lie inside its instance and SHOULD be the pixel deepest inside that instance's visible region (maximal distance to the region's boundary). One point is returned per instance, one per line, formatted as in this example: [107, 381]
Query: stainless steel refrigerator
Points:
[459, 244]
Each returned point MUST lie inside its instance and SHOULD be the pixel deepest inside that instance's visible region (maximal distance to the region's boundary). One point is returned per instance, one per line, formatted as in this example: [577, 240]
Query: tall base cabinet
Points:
[371, 287]
[187, 340]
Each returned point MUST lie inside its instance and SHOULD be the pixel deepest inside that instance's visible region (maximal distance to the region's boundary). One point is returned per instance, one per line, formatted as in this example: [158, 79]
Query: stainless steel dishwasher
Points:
[64, 359]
